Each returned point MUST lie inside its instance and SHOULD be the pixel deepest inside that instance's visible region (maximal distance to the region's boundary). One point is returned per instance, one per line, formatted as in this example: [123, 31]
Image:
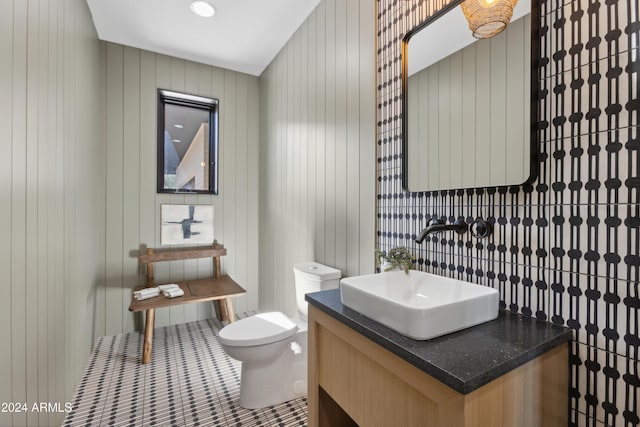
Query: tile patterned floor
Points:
[190, 382]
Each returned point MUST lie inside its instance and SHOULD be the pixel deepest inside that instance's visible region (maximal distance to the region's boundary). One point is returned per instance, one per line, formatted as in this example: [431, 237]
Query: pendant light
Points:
[488, 17]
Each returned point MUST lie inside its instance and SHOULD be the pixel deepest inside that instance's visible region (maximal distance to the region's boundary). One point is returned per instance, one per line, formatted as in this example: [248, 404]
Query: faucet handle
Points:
[481, 228]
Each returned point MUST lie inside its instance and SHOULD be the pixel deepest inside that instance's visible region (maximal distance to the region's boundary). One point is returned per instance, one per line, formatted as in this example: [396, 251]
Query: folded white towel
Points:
[168, 287]
[173, 292]
[146, 293]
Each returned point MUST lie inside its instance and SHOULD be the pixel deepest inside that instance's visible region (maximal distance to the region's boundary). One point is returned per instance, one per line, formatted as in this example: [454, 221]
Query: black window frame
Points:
[193, 101]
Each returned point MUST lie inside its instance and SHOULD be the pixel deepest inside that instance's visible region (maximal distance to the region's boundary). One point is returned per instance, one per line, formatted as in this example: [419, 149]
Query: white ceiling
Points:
[243, 35]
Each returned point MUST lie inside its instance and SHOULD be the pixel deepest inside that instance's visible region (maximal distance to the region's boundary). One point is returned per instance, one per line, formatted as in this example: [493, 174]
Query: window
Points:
[187, 143]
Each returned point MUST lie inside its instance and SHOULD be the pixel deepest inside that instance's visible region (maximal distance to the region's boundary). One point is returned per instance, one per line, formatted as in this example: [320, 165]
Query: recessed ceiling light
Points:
[177, 140]
[203, 8]
[178, 126]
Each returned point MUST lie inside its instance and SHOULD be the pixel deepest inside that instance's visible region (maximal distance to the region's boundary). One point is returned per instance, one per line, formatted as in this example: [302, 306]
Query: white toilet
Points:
[273, 348]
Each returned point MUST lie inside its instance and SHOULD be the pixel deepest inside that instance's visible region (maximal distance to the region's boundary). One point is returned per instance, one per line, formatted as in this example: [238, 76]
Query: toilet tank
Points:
[313, 277]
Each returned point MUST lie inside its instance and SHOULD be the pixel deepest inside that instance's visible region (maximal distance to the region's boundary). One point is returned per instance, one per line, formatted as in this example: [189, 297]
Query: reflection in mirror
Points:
[467, 119]
[187, 143]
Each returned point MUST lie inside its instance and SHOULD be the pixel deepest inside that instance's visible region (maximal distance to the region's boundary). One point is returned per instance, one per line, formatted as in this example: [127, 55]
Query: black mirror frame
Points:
[194, 101]
[534, 93]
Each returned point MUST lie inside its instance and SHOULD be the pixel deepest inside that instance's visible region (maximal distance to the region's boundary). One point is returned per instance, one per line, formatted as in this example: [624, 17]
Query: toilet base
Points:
[283, 379]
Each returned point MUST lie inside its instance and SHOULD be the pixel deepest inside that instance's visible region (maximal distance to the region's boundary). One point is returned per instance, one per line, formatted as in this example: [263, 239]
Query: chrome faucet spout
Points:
[459, 226]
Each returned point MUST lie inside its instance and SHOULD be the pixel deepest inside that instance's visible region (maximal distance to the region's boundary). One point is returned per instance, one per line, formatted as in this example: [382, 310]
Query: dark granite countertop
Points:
[463, 360]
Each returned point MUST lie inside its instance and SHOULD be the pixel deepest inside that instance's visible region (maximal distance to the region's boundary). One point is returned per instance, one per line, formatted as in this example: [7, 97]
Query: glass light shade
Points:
[488, 17]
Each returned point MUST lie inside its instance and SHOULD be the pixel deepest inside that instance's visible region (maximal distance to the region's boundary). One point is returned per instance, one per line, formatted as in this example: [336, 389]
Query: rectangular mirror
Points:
[469, 115]
[187, 143]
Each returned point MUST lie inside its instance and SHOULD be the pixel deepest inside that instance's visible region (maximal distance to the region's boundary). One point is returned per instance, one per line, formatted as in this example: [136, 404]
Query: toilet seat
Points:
[264, 328]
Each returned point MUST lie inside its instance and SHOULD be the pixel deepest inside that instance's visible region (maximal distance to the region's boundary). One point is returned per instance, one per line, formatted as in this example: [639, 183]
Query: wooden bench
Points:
[218, 288]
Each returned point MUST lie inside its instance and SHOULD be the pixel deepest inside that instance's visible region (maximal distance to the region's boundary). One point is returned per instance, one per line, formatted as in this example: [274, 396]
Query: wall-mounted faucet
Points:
[437, 225]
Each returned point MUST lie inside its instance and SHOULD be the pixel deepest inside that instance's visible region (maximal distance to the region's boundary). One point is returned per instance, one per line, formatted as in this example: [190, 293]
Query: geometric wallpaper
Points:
[565, 248]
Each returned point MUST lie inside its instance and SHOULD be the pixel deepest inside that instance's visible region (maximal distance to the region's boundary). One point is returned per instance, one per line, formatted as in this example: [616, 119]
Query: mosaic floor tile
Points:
[190, 382]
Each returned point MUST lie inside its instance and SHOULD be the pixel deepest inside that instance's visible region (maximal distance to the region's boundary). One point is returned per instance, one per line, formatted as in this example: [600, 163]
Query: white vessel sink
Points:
[419, 305]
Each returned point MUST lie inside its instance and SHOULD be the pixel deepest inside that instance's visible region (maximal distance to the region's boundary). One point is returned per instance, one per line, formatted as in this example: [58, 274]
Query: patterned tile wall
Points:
[565, 248]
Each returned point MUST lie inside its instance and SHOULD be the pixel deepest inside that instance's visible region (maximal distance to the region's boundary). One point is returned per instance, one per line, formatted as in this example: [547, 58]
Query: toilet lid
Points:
[315, 271]
[263, 328]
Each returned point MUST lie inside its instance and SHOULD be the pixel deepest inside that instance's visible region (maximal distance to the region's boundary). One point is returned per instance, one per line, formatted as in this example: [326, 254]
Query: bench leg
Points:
[231, 315]
[148, 336]
[222, 309]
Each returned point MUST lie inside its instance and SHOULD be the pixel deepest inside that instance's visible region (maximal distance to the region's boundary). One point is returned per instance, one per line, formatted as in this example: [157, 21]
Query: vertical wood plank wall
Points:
[51, 200]
[317, 172]
[132, 204]
[78, 135]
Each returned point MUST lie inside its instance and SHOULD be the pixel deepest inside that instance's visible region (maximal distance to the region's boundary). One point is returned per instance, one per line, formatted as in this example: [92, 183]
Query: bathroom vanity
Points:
[510, 372]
